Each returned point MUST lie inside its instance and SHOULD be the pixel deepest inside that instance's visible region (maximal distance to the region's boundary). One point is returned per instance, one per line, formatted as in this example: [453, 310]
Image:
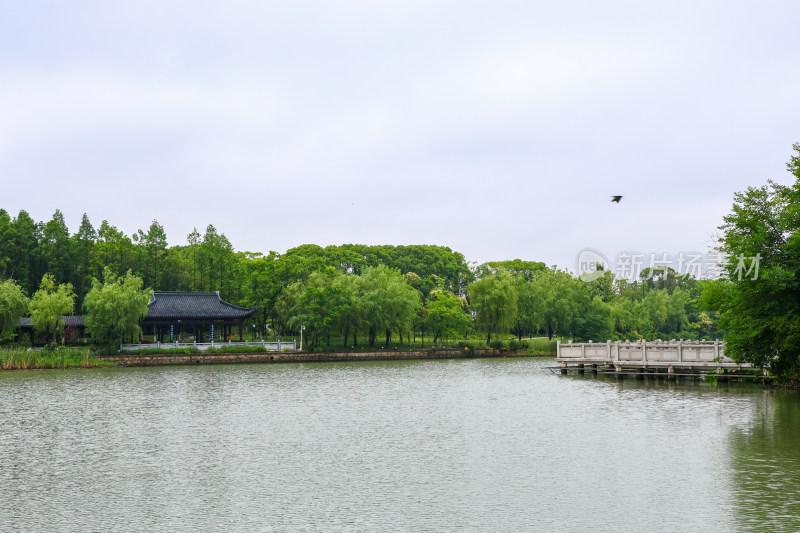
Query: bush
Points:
[523, 345]
[497, 345]
[513, 345]
[467, 348]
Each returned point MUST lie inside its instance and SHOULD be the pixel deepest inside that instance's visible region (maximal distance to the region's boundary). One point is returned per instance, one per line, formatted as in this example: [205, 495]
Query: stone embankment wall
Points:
[286, 357]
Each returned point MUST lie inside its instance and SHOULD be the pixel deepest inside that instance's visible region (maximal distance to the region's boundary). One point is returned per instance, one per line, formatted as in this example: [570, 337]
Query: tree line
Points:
[409, 290]
[380, 292]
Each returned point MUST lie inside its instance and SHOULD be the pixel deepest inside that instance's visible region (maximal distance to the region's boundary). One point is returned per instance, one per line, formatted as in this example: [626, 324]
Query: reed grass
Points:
[539, 347]
[29, 359]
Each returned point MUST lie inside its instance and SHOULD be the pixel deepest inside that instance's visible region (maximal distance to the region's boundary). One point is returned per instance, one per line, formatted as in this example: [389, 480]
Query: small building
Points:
[73, 327]
[171, 314]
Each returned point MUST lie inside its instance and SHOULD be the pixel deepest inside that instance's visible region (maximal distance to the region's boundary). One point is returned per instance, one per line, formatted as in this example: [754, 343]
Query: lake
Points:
[449, 445]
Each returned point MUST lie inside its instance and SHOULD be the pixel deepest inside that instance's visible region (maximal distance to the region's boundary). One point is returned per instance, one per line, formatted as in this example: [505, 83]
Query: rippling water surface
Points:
[462, 445]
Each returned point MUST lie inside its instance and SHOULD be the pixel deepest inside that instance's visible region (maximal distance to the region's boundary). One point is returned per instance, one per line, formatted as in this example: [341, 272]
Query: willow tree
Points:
[50, 303]
[351, 316]
[494, 301]
[13, 305]
[529, 311]
[387, 302]
[559, 296]
[115, 307]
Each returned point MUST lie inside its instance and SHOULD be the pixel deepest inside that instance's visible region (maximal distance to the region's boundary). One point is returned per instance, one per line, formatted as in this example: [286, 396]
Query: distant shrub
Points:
[497, 345]
[513, 345]
[467, 348]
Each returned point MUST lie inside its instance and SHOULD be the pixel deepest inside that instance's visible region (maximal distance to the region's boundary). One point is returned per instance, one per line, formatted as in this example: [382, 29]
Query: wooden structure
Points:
[170, 314]
[674, 357]
[73, 327]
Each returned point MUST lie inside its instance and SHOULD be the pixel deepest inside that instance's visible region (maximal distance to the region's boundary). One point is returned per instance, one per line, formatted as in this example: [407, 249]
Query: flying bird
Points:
[616, 198]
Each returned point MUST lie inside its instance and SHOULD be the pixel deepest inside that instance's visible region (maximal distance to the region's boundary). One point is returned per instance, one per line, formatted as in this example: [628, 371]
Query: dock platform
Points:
[673, 358]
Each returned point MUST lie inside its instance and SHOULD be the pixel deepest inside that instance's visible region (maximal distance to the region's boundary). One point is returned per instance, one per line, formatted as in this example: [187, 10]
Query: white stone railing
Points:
[277, 346]
[641, 351]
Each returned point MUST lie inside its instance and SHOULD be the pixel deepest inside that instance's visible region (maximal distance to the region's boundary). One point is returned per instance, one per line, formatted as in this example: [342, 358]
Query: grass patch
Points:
[24, 359]
[538, 347]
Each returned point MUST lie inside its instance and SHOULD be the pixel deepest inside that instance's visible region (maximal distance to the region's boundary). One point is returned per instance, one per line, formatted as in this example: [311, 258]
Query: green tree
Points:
[83, 245]
[115, 307]
[154, 244]
[558, 294]
[50, 303]
[447, 314]
[387, 302]
[593, 321]
[13, 306]
[603, 287]
[495, 303]
[652, 312]
[57, 247]
[529, 310]
[113, 250]
[667, 278]
[5, 244]
[351, 317]
[622, 312]
[516, 267]
[314, 304]
[25, 235]
[678, 307]
[760, 313]
[194, 246]
[259, 284]
[218, 261]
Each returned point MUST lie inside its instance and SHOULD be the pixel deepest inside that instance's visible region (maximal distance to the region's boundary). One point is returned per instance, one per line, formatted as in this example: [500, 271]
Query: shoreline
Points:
[298, 357]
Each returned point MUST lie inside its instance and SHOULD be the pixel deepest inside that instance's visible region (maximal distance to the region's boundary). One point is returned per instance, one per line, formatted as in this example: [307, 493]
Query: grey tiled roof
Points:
[194, 305]
[69, 321]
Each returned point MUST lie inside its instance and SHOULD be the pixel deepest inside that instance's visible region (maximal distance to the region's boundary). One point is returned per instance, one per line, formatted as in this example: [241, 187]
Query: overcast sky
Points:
[499, 129]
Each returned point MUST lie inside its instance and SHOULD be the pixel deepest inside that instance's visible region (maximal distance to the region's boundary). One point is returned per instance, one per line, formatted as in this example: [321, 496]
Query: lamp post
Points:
[301, 337]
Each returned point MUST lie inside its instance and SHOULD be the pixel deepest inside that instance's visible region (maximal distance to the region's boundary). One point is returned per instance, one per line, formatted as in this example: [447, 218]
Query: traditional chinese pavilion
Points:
[73, 327]
[170, 314]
